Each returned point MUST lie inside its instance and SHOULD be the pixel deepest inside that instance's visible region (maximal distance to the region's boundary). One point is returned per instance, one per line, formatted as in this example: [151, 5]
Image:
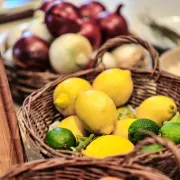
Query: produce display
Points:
[63, 38]
[98, 121]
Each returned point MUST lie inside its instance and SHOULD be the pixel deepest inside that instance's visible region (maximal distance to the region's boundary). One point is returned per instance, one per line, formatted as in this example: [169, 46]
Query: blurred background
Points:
[132, 9]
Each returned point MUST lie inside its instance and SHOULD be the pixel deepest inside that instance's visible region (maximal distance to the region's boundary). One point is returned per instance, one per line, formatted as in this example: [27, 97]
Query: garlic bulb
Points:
[39, 15]
[8, 57]
[129, 55]
[39, 29]
[70, 53]
[109, 61]
[14, 34]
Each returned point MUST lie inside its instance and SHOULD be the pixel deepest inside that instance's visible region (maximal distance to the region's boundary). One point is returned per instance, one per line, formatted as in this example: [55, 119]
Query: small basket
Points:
[82, 169]
[38, 111]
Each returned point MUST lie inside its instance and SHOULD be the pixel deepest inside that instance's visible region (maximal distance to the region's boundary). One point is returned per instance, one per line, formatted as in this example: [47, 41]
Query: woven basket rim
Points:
[108, 163]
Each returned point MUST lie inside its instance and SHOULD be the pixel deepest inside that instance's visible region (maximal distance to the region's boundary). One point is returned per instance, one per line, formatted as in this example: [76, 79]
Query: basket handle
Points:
[120, 40]
[153, 139]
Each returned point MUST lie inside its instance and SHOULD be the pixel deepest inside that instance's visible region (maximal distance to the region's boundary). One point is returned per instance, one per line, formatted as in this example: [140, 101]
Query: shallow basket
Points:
[82, 169]
[38, 111]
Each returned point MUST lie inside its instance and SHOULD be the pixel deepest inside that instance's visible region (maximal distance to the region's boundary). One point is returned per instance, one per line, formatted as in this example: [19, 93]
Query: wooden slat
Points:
[11, 150]
[8, 155]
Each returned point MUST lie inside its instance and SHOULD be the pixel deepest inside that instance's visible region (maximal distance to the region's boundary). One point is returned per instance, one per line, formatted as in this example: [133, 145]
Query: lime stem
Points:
[83, 144]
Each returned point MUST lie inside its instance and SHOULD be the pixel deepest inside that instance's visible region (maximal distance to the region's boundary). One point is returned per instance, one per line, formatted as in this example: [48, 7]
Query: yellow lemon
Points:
[122, 127]
[125, 112]
[116, 83]
[108, 145]
[96, 111]
[110, 178]
[157, 108]
[74, 125]
[66, 93]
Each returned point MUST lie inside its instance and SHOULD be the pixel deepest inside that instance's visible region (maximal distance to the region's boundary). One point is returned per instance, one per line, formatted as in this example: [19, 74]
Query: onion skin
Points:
[113, 24]
[31, 53]
[91, 30]
[91, 9]
[70, 53]
[61, 18]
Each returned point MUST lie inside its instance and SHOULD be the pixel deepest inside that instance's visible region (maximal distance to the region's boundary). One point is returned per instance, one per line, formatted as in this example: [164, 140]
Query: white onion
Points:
[70, 53]
[128, 55]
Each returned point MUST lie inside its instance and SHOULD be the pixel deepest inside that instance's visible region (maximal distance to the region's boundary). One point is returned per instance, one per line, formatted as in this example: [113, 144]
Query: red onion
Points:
[61, 18]
[91, 9]
[91, 31]
[45, 5]
[31, 53]
[113, 24]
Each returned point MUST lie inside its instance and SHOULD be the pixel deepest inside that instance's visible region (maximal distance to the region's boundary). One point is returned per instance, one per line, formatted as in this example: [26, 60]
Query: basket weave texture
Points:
[38, 111]
[82, 169]
[23, 82]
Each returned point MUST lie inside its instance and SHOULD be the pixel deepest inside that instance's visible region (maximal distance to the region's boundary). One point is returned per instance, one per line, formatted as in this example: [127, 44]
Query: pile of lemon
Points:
[97, 121]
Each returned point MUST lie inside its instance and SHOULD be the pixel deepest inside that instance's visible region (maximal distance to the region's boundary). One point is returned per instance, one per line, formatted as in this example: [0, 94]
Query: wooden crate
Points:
[11, 149]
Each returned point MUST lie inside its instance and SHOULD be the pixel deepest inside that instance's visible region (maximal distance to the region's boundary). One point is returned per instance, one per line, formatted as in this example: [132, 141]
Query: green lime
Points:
[60, 138]
[152, 148]
[124, 113]
[134, 131]
[171, 131]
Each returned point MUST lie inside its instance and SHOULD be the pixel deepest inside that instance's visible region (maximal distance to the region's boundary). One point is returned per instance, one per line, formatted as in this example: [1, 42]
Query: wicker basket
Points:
[38, 111]
[82, 169]
[23, 82]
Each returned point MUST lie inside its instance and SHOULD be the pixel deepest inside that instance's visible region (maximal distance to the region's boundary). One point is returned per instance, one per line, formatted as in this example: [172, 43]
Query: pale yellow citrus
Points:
[74, 125]
[122, 127]
[116, 83]
[157, 108]
[108, 145]
[66, 93]
[110, 178]
[96, 111]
